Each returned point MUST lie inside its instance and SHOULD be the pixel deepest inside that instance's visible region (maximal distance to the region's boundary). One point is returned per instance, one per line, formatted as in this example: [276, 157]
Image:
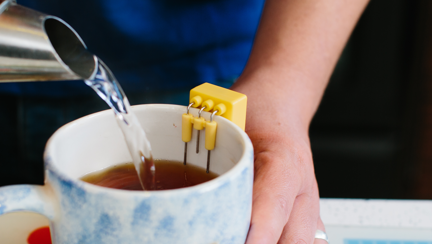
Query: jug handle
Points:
[33, 198]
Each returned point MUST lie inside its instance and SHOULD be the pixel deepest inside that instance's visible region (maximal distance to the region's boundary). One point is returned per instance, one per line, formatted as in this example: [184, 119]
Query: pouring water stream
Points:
[106, 86]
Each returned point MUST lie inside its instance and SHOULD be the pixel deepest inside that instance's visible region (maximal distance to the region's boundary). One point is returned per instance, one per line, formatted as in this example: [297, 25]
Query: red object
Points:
[40, 236]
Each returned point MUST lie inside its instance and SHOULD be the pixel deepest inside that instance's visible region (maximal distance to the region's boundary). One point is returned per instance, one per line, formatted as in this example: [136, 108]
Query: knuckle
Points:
[300, 241]
[293, 240]
[282, 201]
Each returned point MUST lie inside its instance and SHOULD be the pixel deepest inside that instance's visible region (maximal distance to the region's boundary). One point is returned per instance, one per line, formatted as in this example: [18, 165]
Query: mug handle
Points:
[34, 198]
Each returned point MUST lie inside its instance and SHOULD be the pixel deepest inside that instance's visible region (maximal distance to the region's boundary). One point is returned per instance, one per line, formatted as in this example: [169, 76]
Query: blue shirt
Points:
[155, 44]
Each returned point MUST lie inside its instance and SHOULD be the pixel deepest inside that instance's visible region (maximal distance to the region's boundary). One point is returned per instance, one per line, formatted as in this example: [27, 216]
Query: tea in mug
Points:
[168, 175]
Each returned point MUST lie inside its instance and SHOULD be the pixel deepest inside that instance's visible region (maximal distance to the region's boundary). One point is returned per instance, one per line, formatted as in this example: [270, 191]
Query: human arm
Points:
[295, 51]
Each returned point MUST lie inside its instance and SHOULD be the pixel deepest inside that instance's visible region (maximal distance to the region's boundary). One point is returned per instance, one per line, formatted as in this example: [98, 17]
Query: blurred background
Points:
[371, 137]
[372, 134]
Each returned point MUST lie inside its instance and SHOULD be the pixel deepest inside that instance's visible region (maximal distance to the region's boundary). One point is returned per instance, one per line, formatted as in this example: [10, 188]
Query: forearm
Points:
[296, 48]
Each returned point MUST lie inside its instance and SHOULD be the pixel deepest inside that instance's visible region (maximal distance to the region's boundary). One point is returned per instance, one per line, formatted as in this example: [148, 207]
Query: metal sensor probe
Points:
[218, 101]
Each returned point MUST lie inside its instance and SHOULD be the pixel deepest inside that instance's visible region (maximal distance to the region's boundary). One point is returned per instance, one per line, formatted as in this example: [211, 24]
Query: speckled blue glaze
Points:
[214, 212]
[104, 217]
[25, 198]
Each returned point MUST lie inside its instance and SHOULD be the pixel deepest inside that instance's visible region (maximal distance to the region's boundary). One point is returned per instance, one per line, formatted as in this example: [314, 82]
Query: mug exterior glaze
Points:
[217, 211]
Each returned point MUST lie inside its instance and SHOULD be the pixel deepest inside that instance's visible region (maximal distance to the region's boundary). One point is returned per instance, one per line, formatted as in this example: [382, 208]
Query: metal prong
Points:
[185, 154]
[208, 151]
[185, 148]
[198, 136]
[208, 161]
[213, 114]
[197, 144]
[188, 108]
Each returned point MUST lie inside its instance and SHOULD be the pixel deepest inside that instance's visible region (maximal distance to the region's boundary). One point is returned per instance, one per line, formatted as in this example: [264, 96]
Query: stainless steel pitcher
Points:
[39, 47]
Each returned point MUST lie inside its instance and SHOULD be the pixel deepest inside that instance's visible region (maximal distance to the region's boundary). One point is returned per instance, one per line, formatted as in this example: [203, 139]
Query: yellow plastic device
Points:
[187, 127]
[188, 121]
[210, 135]
[218, 100]
[228, 103]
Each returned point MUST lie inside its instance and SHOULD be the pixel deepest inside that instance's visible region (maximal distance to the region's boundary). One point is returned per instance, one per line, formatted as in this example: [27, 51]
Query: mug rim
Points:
[203, 187]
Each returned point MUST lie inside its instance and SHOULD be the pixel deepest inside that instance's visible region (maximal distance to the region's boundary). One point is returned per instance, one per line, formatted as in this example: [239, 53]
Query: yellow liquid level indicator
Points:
[229, 104]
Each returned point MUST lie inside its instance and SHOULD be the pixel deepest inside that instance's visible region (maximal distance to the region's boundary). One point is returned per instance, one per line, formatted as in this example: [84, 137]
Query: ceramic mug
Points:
[217, 211]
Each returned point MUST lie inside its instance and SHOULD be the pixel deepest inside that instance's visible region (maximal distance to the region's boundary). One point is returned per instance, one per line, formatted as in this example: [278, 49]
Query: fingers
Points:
[303, 221]
[275, 188]
[285, 206]
[320, 226]
[267, 222]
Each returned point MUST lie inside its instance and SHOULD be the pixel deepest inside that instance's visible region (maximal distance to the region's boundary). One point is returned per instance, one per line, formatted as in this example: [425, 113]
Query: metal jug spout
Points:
[39, 47]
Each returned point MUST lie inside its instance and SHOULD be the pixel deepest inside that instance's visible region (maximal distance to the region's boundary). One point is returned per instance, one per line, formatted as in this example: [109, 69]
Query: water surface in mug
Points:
[168, 175]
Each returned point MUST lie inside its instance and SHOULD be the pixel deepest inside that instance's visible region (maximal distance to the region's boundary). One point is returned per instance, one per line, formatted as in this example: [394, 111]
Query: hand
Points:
[285, 207]
[285, 200]
[296, 47]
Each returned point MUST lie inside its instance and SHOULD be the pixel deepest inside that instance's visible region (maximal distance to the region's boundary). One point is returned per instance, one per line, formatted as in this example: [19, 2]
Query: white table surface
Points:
[348, 221]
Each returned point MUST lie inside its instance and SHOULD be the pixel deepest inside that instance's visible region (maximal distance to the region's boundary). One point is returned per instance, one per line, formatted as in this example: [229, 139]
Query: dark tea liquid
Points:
[168, 175]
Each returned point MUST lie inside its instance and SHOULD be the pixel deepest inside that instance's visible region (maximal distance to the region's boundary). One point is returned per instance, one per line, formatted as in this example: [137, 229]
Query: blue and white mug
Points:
[217, 211]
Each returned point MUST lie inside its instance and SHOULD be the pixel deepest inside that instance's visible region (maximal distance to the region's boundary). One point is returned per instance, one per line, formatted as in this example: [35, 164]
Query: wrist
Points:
[278, 95]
